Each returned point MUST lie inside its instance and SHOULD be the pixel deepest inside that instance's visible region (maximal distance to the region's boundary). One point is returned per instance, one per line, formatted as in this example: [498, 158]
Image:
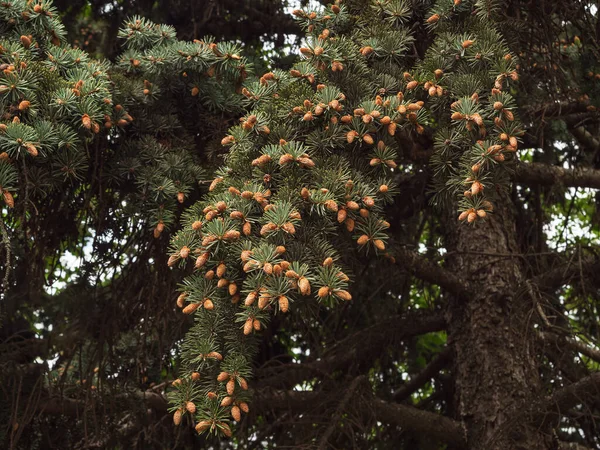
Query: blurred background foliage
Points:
[264, 26]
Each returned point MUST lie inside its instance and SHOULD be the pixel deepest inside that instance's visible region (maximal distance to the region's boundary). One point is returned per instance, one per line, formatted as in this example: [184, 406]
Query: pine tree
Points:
[371, 266]
[311, 167]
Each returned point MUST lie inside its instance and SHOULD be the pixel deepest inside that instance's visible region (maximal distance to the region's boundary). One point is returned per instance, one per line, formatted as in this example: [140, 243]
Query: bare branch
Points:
[584, 391]
[554, 109]
[414, 419]
[568, 272]
[539, 173]
[406, 417]
[340, 410]
[585, 138]
[429, 271]
[572, 446]
[578, 346]
[437, 364]
[73, 407]
[357, 349]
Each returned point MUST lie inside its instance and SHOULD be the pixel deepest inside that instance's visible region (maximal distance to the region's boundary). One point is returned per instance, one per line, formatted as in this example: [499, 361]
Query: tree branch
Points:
[554, 109]
[579, 392]
[426, 270]
[539, 173]
[585, 138]
[339, 411]
[583, 391]
[414, 419]
[406, 417]
[74, 407]
[355, 350]
[578, 346]
[437, 364]
[572, 446]
[567, 273]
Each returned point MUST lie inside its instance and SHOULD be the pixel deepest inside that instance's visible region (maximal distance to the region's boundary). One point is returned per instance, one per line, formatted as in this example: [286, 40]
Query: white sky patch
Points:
[561, 231]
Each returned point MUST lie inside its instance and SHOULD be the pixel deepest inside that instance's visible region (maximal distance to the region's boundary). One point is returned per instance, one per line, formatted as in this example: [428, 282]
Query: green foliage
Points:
[311, 166]
[93, 157]
[286, 264]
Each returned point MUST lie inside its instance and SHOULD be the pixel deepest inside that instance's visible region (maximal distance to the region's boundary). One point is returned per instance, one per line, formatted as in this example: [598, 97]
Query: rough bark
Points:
[494, 361]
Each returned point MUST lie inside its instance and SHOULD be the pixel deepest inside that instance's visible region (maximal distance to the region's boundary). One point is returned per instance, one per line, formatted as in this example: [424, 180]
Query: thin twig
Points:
[339, 411]
[6, 243]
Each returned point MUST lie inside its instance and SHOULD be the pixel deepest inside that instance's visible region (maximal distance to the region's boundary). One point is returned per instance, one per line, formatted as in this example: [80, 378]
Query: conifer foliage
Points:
[58, 104]
[346, 253]
[311, 167]
[101, 154]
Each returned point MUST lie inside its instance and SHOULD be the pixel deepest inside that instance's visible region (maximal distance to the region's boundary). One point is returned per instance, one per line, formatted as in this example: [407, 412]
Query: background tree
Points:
[263, 26]
[399, 118]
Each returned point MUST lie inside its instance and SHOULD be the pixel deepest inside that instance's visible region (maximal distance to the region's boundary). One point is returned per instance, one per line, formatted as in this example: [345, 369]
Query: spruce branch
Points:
[427, 270]
[587, 140]
[339, 411]
[413, 419]
[576, 268]
[545, 174]
[406, 417]
[356, 350]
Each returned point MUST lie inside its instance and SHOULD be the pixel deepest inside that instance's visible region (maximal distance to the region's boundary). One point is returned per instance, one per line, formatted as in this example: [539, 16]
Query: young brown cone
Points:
[324, 291]
[230, 387]
[191, 407]
[304, 286]
[177, 417]
[222, 376]
[181, 299]
[235, 413]
[344, 295]
[203, 425]
[189, 309]
[8, 199]
[284, 303]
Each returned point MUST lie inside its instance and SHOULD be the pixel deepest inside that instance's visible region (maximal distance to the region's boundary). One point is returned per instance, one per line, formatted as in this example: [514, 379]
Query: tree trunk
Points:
[495, 365]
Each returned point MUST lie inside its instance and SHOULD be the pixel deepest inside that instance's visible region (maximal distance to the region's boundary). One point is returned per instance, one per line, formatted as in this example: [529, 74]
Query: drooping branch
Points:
[539, 173]
[437, 364]
[74, 407]
[572, 446]
[414, 419]
[582, 391]
[430, 272]
[554, 109]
